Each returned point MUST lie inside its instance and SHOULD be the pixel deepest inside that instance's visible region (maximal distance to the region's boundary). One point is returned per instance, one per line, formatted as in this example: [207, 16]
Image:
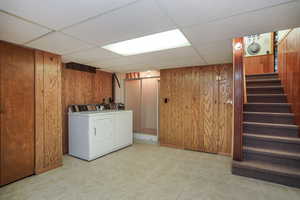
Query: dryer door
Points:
[102, 136]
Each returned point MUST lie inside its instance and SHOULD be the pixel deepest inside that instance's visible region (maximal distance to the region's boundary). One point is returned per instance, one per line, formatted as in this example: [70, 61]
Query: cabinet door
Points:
[17, 112]
[123, 128]
[102, 135]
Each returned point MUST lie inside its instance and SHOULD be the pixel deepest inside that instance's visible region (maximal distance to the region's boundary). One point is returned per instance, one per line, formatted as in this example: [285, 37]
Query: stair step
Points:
[273, 153]
[265, 90]
[266, 117]
[262, 76]
[289, 144]
[268, 172]
[268, 107]
[267, 98]
[285, 130]
[263, 82]
[274, 157]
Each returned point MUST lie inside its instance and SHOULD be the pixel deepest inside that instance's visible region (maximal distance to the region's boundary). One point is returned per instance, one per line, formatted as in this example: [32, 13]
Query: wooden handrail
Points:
[239, 91]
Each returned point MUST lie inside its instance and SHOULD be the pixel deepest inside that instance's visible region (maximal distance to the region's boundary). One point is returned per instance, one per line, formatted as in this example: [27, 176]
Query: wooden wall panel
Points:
[82, 88]
[225, 117]
[48, 111]
[289, 69]
[259, 64]
[16, 112]
[190, 118]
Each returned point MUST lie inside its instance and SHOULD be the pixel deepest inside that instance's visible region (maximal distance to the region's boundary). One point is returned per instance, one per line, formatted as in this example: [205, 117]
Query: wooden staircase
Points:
[271, 143]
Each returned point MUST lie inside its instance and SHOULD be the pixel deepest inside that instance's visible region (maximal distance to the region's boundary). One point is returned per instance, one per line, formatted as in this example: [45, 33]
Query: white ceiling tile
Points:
[18, 31]
[105, 63]
[59, 43]
[191, 12]
[184, 62]
[57, 14]
[92, 54]
[131, 68]
[166, 55]
[217, 53]
[267, 20]
[172, 57]
[139, 19]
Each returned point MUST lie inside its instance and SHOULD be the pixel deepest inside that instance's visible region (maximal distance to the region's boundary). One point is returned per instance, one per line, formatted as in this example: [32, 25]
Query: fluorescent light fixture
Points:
[155, 42]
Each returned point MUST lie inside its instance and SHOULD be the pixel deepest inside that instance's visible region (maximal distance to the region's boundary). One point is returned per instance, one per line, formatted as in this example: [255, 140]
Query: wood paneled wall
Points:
[16, 112]
[82, 88]
[195, 109]
[289, 69]
[259, 64]
[48, 126]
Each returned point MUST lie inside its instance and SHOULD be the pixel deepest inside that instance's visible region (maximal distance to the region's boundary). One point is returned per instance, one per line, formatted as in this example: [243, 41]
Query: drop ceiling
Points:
[77, 29]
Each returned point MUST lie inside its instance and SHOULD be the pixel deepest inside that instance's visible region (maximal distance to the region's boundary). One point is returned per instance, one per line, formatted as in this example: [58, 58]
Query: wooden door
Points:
[193, 131]
[225, 110]
[17, 112]
[171, 108]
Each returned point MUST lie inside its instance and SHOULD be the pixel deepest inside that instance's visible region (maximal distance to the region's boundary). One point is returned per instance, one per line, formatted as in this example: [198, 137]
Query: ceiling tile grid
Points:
[139, 19]
[78, 29]
[93, 54]
[217, 52]
[58, 43]
[57, 14]
[193, 12]
[267, 20]
[18, 31]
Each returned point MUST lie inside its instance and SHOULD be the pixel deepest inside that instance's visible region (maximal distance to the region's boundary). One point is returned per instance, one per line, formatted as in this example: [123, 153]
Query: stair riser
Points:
[262, 77]
[267, 99]
[267, 108]
[266, 130]
[277, 83]
[251, 173]
[269, 119]
[278, 161]
[265, 91]
[272, 145]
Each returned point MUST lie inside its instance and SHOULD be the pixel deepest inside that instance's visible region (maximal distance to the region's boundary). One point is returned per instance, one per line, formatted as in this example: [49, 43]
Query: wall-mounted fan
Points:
[258, 44]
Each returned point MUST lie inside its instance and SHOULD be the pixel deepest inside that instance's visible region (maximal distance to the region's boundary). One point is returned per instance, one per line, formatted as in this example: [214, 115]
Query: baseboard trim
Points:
[145, 138]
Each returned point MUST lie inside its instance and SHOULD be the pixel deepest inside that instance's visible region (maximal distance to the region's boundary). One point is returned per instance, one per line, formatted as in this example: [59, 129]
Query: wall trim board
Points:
[238, 79]
[151, 139]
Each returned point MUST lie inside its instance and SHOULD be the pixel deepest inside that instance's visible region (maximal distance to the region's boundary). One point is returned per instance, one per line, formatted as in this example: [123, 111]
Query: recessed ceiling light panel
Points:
[150, 43]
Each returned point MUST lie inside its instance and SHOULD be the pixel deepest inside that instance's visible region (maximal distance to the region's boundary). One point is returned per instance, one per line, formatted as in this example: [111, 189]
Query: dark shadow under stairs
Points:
[271, 143]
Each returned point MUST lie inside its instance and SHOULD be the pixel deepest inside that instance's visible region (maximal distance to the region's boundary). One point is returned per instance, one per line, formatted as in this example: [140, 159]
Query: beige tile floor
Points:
[145, 171]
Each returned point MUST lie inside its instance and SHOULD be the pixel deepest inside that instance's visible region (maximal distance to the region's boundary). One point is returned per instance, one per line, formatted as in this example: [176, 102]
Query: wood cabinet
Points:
[48, 150]
[16, 112]
[196, 108]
